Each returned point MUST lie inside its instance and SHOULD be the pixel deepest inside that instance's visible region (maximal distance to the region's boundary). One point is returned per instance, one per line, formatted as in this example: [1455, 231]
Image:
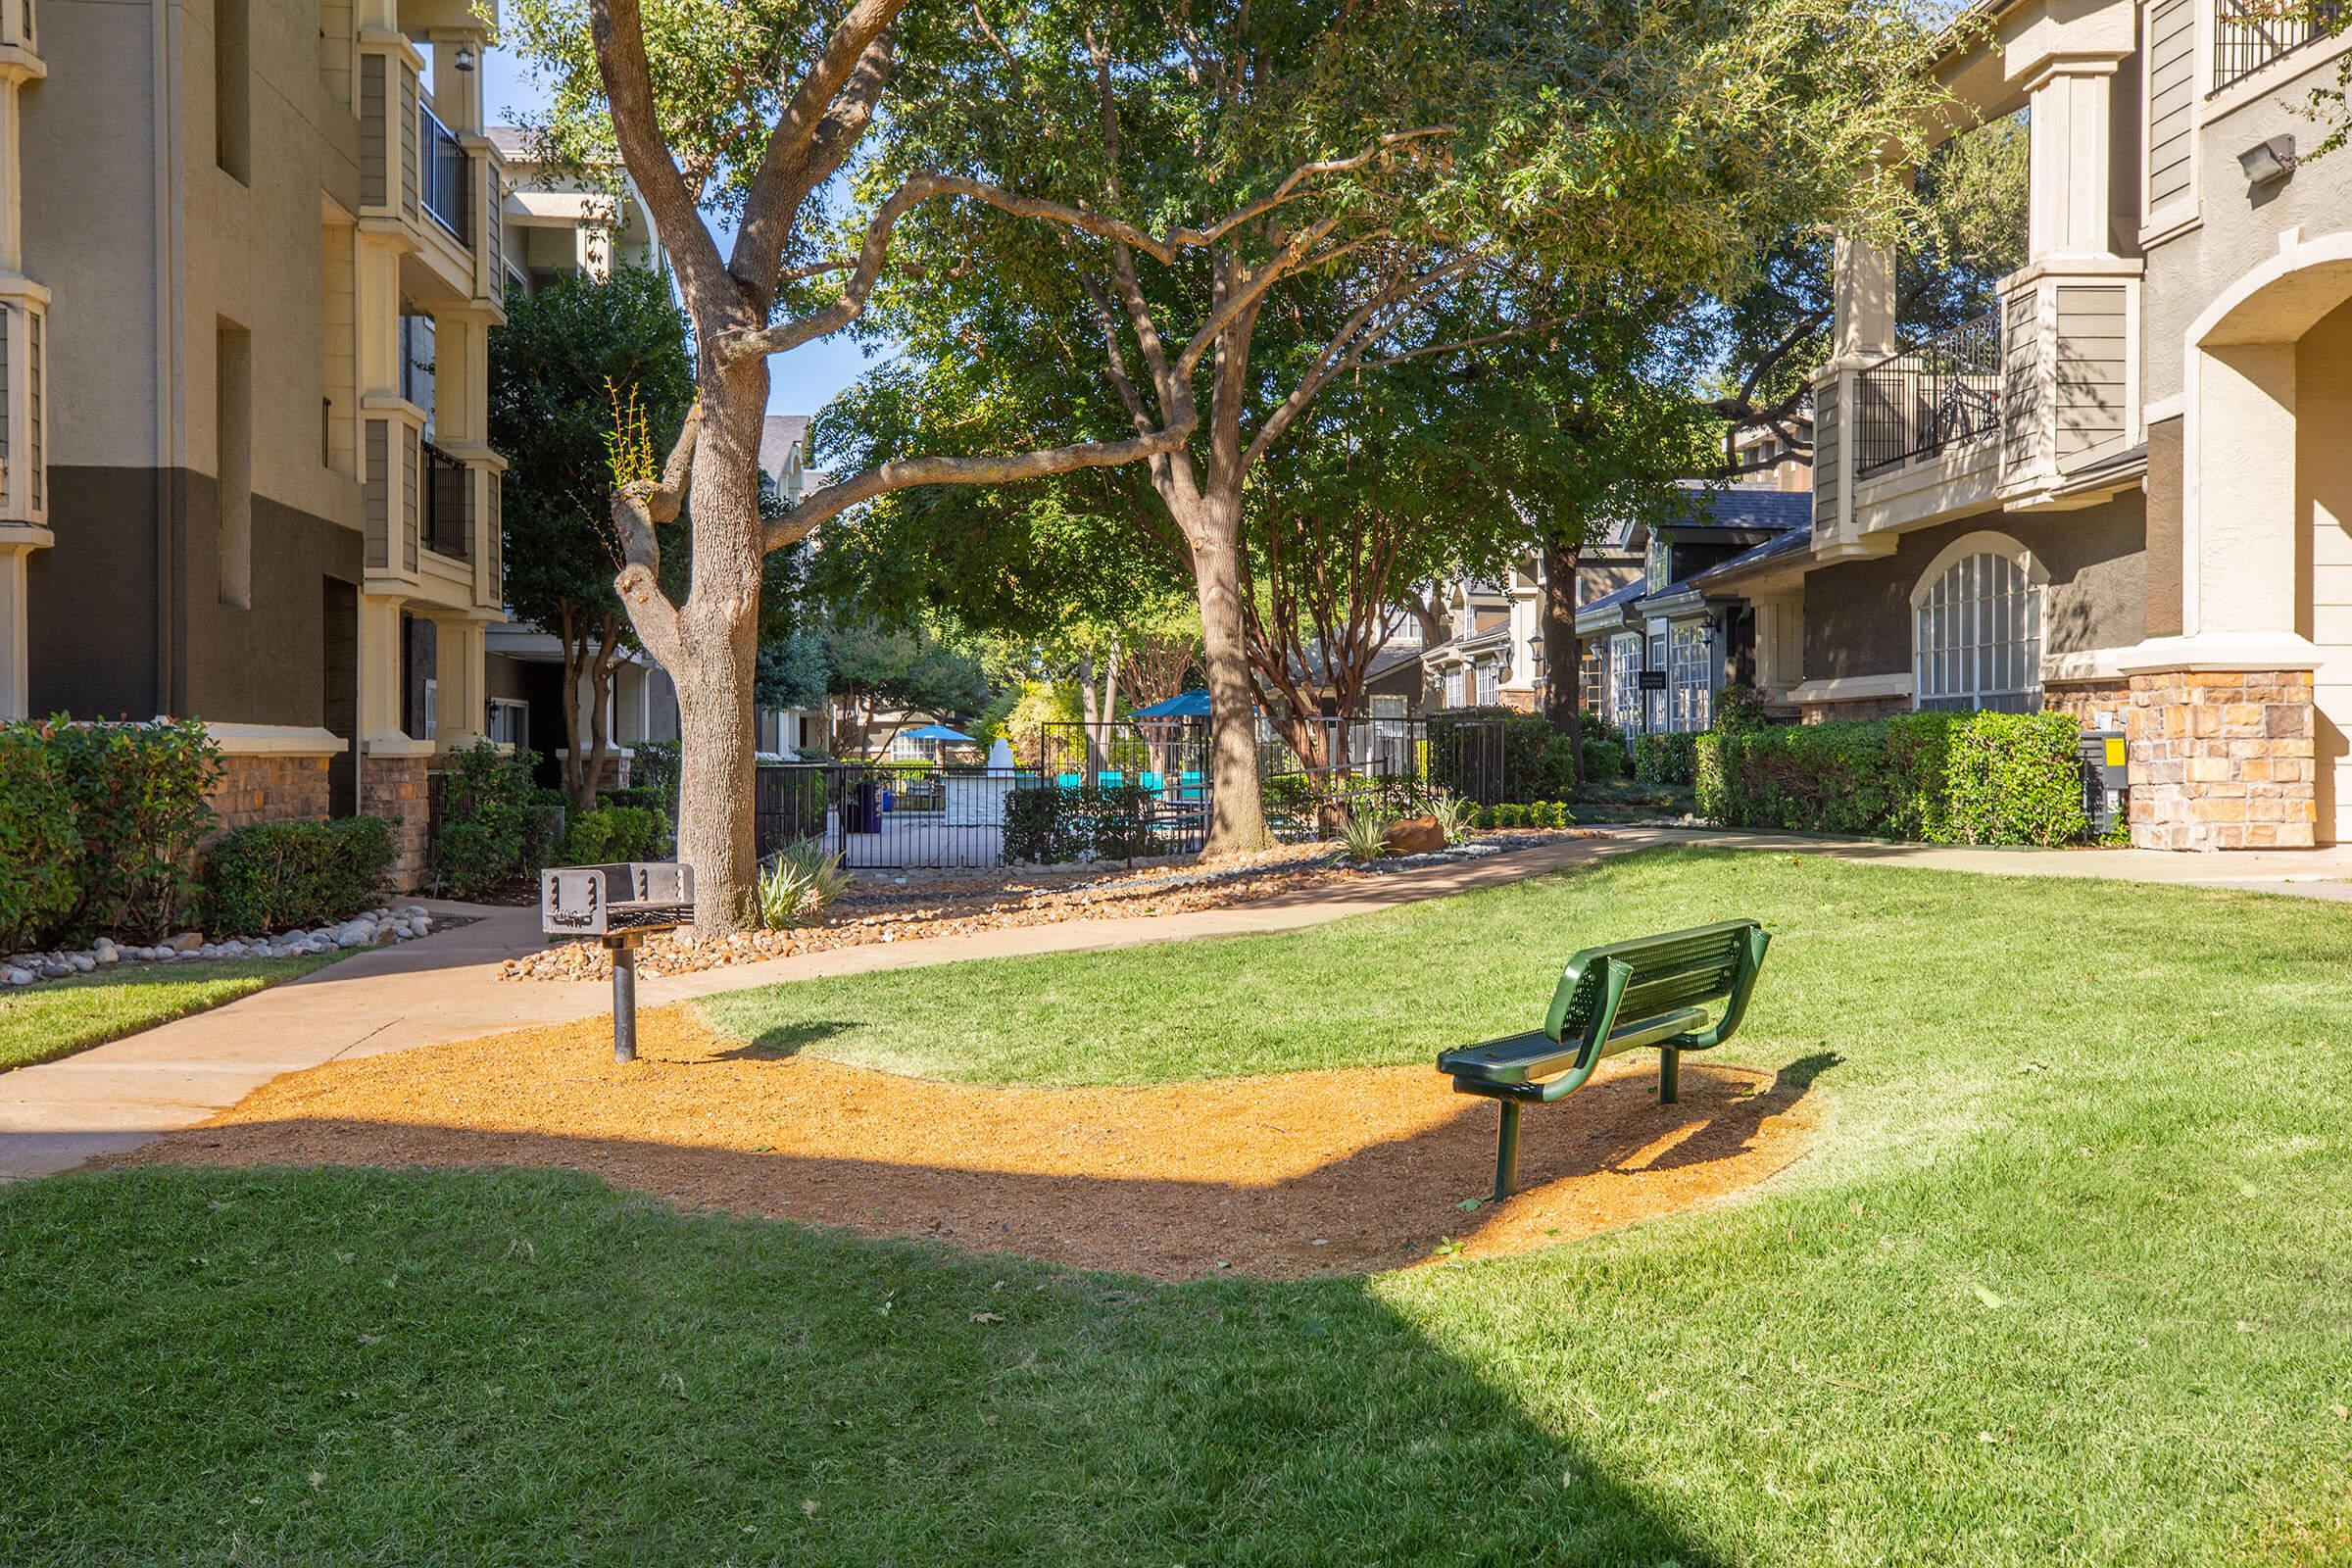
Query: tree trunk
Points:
[1238, 820]
[1090, 718]
[575, 665]
[718, 637]
[600, 714]
[1563, 650]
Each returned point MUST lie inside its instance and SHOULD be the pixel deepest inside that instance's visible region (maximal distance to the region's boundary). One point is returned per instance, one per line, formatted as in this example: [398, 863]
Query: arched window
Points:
[1976, 628]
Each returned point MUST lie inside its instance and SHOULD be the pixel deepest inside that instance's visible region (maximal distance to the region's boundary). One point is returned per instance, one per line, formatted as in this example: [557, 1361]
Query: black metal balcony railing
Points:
[1939, 394]
[448, 497]
[2248, 34]
[443, 178]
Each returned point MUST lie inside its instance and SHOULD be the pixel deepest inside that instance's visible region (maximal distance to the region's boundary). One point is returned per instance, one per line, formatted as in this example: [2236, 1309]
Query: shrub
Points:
[40, 849]
[276, 876]
[496, 827]
[1502, 751]
[1664, 758]
[614, 833]
[1454, 816]
[1604, 751]
[1049, 823]
[1485, 817]
[135, 796]
[797, 882]
[657, 765]
[1972, 778]
[2015, 778]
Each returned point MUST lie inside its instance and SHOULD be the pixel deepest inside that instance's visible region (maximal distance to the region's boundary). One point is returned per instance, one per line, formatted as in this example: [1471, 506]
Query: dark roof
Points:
[1609, 606]
[1738, 508]
[1309, 665]
[1793, 542]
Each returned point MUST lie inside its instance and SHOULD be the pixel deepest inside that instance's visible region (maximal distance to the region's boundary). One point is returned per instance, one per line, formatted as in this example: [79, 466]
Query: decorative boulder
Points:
[1414, 835]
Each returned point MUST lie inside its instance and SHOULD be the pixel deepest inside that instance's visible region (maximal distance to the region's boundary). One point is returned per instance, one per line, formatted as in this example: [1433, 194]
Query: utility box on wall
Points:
[2106, 780]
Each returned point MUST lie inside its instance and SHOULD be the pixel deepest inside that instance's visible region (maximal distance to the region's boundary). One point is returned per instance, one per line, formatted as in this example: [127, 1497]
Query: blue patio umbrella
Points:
[1184, 705]
[941, 732]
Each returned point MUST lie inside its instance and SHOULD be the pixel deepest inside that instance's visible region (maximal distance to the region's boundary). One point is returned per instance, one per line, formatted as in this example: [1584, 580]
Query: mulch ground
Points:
[1285, 1177]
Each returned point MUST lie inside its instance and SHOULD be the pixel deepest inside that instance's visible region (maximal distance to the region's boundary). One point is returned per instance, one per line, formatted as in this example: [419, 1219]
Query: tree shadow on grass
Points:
[531, 1367]
[1172, 1183]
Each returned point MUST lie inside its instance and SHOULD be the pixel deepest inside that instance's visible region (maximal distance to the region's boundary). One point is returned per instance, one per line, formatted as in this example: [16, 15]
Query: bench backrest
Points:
[1664, 974]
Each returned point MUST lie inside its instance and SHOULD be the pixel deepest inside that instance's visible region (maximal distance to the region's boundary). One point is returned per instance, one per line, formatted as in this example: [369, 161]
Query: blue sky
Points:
[799, 382]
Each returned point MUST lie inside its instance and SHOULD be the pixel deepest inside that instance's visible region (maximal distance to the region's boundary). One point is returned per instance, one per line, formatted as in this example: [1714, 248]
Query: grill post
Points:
[624, 997]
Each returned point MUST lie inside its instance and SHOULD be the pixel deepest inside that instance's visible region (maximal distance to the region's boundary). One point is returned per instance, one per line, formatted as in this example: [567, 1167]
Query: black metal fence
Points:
[2247, 37]
[1939, 394]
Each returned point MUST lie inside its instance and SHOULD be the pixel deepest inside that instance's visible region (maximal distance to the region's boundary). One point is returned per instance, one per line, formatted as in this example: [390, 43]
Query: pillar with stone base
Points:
[2223, 760]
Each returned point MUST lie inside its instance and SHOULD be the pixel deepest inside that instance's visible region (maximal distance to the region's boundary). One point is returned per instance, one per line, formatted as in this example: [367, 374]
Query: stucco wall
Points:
[2239, 228]
[93, 634]
[2163, 568]
[1858, 614]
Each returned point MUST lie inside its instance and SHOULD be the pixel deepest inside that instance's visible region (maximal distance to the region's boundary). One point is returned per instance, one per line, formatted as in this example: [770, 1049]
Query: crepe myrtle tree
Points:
[754, 107]
[1395, 162]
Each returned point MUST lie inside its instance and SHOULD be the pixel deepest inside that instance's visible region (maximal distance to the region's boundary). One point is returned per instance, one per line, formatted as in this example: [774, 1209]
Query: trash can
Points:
[861, 811]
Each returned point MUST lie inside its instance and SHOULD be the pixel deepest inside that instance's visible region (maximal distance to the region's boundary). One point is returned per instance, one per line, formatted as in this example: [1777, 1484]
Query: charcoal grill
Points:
[618, 906]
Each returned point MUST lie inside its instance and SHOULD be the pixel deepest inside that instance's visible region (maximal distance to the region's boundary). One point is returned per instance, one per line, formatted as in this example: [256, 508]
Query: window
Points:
[1489, 683]
[431, 708]
[509, 723]
[232, 468]
[1592, 677]
[1976, 635]
[233, 90]
[1655, 699]
[1453, 688]
[1690, 675]
[1625, 681]
[1658, 563]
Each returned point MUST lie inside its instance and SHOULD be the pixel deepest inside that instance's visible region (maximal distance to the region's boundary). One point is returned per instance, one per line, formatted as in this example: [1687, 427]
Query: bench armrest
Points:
[1734, 1008]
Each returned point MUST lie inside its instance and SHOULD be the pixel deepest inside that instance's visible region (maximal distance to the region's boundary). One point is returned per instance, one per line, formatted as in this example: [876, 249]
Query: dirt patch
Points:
[1287, 1177]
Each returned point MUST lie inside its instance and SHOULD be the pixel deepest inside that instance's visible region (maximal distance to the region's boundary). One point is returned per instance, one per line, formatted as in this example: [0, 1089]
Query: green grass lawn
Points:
[56, 1018]
[2068, 1281]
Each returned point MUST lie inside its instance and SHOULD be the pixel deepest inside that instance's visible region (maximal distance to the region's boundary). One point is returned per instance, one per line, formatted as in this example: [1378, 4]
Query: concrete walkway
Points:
[445, 987]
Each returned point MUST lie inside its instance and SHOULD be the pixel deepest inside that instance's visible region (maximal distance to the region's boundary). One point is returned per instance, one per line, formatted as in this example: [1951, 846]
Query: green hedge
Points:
[1939, 778]
[276, 876]
[1049, 824]
[38, 845]
[1537, 760]
[136, 806]
[616, 833]
[495, 827]
[1664, 758]
[1533, 814]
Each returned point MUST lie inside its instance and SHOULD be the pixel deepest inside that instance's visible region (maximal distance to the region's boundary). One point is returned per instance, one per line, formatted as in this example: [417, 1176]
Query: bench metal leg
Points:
[1670, 1076]
[1506, 1152]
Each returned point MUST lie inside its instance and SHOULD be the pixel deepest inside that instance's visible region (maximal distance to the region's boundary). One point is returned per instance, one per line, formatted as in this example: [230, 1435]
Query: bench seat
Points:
[1650, 990]
[1514, 1065]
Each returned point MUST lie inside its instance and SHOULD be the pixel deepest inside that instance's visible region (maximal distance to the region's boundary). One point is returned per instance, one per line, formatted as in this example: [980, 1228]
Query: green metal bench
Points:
[1651, 991]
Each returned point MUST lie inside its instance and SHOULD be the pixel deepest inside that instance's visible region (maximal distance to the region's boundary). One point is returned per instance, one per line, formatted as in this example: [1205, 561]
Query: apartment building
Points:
[2125, 491]
[250, 260]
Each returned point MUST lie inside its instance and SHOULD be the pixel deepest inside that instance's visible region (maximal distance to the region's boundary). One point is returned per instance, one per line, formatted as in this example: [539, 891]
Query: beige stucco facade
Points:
[252, 496]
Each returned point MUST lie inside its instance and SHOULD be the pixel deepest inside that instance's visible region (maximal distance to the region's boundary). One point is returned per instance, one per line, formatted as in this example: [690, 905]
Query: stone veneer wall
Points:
[2224, 759]
[398, 789]
[265, 787]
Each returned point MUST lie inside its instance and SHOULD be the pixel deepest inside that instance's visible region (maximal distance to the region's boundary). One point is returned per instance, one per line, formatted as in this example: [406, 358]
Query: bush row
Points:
[614, 833]
[276, 876]
[98, 828]
[1664, 758]
[496, 826]
[1941, 778]
[1050, 824]
[1534, 814]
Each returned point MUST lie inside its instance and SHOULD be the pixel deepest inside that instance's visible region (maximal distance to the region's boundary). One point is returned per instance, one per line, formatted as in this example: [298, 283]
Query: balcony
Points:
[445, 174]
[2248, 34]
[445, 486]
[1944, 392]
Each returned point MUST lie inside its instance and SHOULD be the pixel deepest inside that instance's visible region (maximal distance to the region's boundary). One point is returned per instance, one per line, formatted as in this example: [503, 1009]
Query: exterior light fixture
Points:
[464, 59]
[2267, 160]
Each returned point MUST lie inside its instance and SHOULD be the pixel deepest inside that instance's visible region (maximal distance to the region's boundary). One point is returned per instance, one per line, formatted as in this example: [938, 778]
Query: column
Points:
[14, 679]
[459, 667]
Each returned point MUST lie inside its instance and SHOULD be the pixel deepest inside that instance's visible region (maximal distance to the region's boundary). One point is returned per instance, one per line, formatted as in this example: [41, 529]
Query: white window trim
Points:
[1982, 542]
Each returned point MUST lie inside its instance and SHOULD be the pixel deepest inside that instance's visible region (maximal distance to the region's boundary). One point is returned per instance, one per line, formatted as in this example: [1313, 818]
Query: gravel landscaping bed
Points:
[904, 908]
[402, 924]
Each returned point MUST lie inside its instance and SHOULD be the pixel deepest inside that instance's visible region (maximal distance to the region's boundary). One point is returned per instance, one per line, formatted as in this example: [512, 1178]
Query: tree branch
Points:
[638, 508]
[815, 133]
[618, 32]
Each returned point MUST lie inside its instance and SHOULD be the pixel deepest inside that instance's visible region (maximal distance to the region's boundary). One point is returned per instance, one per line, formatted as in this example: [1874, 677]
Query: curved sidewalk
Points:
[446, 987]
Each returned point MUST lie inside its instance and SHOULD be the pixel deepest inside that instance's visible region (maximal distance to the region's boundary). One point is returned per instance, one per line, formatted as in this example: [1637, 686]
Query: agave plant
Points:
[1360, 831]
[797, 882]
[1455, 813]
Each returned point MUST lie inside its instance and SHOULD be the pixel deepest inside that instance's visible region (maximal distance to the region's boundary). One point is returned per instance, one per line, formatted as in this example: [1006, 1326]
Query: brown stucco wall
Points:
[96, 604]
[1858, 614]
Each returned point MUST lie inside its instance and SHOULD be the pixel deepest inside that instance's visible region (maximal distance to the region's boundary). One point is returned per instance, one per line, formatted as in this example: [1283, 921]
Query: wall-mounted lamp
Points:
[464, 57]
[2267, 160]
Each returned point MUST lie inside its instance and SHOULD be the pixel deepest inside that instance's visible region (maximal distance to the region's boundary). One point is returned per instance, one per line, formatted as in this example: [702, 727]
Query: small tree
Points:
[567, 356]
